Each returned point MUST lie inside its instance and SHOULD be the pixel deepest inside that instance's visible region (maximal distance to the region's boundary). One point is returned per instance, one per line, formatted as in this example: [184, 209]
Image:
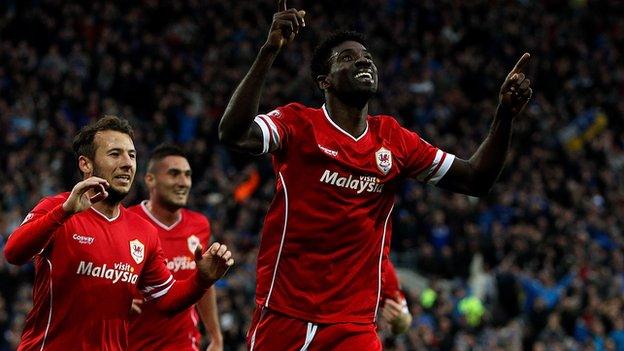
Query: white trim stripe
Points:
[279, 252]
[104, 216]
[163, 291]
[446, 165]
[275, 133]
[383, 240]
[265, 133]
[253, 336]
[342, 130]
[152, 287]
[156, 221]
[45, 335]
[427, 172]
[309, 336]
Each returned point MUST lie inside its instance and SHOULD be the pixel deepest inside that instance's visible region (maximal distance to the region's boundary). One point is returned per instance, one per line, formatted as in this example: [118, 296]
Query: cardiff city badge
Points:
[383, 157]
[192, 242]
[137, 251]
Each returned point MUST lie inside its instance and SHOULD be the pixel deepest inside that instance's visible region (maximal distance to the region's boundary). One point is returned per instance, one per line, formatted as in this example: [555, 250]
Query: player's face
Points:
[115, 161]
[172, 181]
[352, 69]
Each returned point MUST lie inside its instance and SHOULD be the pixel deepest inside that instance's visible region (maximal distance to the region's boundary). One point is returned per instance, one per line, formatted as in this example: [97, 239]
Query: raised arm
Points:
[35, 233]
[477, 175]
[236, 128]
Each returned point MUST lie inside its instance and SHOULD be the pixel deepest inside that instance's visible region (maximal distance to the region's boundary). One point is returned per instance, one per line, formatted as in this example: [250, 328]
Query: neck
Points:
[164, 214]
[351, 118]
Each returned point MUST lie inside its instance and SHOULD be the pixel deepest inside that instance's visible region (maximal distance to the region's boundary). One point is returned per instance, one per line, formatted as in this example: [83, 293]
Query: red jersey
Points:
[152, 329]
[86, 276]
[391, 288]
[329, 224]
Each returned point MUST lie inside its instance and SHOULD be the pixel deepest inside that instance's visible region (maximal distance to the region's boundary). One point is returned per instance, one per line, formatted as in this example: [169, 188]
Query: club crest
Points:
[192, 242]
[137, 251]
[383, 157]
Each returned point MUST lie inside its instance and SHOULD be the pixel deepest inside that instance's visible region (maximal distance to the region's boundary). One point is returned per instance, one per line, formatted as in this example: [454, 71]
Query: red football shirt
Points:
[391, 288]
[86, 277]
[152, 329]
[324, 235]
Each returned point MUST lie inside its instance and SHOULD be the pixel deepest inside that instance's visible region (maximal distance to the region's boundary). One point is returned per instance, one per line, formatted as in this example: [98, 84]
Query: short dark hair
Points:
[83, 141]
[161, 151]
[319, 65]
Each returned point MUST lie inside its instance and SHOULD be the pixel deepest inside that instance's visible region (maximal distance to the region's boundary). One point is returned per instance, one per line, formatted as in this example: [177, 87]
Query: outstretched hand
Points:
[516, 90]
[285, 26]
[213, 263]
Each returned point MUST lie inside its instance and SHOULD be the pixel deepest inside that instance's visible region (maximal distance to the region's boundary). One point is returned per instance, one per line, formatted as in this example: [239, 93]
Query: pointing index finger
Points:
[521, 63]
[281, 5]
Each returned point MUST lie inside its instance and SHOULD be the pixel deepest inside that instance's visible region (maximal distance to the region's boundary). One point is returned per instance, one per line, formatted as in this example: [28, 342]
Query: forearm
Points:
[489, 158]
[243, 106]
[32, 237]
[183, 294]
[207, 307]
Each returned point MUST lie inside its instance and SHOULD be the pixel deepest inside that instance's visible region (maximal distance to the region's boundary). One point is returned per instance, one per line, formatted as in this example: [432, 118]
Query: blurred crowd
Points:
[538, 264]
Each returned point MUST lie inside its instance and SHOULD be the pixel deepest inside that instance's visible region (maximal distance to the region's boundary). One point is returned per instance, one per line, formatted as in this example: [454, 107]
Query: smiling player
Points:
[319, 271]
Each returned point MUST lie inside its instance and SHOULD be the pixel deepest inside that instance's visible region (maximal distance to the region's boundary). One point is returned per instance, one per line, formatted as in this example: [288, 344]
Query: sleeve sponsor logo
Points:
[274, 114]
[137, 251]
[28, 218]
[360, 184]
[120, 272]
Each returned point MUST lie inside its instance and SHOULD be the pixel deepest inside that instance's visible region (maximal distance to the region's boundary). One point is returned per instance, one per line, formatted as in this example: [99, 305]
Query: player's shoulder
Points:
[136, 209]
[293, 109]
[52, 201]
[139, 221]
[385, 125]
[384, 120]
[194, 216]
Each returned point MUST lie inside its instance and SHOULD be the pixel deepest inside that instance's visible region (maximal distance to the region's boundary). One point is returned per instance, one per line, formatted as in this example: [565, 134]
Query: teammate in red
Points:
[168, 180]
[394, 309]
[319, 272]
[90, 253]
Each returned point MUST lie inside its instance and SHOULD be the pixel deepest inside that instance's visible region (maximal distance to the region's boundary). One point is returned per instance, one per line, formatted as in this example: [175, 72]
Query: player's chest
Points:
[110, 256]
[368, 155]
[179, 253]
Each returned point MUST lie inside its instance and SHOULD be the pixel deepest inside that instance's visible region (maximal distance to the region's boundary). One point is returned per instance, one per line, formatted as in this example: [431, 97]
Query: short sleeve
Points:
[277, 127]
[423, 161]
[156, 280]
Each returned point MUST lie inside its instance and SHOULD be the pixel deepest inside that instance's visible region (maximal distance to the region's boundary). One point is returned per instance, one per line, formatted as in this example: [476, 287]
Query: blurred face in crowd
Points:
[169, 181]
[352, 71]
[114, 160]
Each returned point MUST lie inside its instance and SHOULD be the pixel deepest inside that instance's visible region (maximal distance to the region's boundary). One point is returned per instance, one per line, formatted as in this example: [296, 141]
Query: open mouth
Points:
[124, 179]
[364, 76]
[181, 192]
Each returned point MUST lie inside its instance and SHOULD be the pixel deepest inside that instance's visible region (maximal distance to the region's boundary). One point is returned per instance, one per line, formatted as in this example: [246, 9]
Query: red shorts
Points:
[270, 331]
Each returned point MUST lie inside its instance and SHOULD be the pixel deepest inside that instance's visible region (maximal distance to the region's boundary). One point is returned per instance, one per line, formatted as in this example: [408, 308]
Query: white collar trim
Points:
[155, 220]
[342, 130]
[104, 216]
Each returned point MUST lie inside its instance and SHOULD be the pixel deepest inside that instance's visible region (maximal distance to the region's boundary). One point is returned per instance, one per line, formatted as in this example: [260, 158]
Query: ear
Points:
[323, 82]
[85, 165]
[150, 180]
